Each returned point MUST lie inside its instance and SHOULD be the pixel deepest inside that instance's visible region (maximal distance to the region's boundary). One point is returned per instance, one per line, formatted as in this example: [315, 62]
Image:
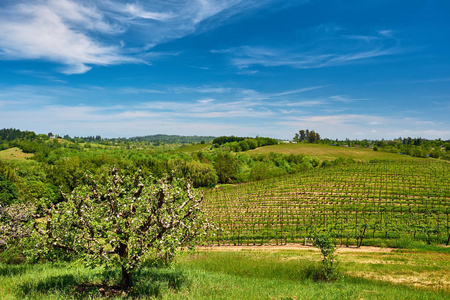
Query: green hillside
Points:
[14, 154]
[327, 152]
[380, 201]
[191, 148]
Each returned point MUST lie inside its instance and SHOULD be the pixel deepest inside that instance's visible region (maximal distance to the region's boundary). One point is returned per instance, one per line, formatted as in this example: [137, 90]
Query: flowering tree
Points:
[122, 219]
[14, 221]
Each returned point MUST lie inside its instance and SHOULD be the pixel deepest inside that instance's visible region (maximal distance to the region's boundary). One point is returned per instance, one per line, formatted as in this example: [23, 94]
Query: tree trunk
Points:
[127, 278]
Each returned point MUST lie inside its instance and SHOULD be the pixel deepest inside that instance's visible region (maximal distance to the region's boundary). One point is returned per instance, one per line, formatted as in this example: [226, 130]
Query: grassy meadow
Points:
[14, 154]
[244, 274]
[191, 148]
[327, 152]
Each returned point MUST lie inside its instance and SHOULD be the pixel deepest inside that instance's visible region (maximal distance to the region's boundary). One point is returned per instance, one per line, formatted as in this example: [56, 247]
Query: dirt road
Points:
[290, 247]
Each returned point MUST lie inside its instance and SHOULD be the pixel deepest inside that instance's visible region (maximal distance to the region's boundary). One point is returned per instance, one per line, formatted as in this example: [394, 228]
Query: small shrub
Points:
[329, 269]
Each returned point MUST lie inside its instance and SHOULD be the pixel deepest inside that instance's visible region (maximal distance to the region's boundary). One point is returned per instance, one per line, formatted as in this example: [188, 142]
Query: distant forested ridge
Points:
[61, 163]
[10, 134]
[158, 139]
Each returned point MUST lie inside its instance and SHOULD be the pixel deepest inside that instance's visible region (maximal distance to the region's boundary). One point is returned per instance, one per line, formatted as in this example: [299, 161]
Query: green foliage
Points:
[171, 139]
[116, 219]
[40, 193]
[227, 167]
[329, 269]
[13, 134]
[307, 136]
[8, 192]
[201, 175]
[263, 170]
[337, 162]
[227, 139]
[237, 144]
[12, 256]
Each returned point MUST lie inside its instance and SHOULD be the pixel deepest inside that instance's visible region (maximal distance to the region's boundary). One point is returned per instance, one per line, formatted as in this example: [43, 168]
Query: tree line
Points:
[307, 135]
[415, 147]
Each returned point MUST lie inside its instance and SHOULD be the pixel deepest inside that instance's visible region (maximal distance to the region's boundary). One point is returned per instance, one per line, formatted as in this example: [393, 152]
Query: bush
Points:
[8, 191]
[263, 170]
[202, 175]
[227, 167]
[329, 269]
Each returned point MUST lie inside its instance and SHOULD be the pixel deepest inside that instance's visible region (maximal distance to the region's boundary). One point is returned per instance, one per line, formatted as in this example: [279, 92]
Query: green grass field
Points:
[245, 274]
[326, 152]
[14, 154]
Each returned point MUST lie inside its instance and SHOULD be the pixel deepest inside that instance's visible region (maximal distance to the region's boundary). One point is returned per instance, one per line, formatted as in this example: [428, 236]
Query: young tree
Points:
[227, 167]
[118, 219]
[329, 270]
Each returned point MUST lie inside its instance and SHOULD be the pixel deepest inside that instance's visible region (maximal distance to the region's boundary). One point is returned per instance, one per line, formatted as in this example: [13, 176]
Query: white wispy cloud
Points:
[55, 30]
[345, 119]
[300, 103]
[344, 98]
[386, 33]
[136, 10]
[80, 34]
[302, 90]
[134, 90]
[42, 75]
[224, 110]
[205, 101]
[139, 119]
[323, 52]
[365, 126]
[432, 80]
[203, 89]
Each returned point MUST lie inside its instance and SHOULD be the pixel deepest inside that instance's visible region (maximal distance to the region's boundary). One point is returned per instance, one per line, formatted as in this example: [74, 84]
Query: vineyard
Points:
[360, 202]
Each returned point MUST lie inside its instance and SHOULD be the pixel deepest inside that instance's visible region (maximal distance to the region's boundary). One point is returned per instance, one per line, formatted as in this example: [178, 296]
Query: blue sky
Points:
[346, 68]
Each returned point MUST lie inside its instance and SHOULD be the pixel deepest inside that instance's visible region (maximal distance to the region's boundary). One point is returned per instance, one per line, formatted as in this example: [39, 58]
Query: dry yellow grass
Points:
[326, 152]
[425, 270]
[14, 154]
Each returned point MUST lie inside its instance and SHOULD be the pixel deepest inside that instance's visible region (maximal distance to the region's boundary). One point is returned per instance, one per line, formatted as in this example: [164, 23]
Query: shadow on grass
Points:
[156, 281]
[61, 284]
[13, 270]
[148, 282]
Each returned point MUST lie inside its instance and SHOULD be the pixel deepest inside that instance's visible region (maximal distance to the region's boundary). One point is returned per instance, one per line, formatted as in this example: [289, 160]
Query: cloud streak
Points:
[78, 34]
[325, 52]
[55, 30]
[210, 110]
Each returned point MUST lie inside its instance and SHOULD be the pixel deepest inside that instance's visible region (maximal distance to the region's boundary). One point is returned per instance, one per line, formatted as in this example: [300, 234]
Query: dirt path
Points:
[343, 249]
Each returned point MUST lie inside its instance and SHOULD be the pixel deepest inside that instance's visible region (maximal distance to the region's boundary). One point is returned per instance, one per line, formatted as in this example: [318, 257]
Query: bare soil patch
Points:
[108, 291]
[267, 247]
